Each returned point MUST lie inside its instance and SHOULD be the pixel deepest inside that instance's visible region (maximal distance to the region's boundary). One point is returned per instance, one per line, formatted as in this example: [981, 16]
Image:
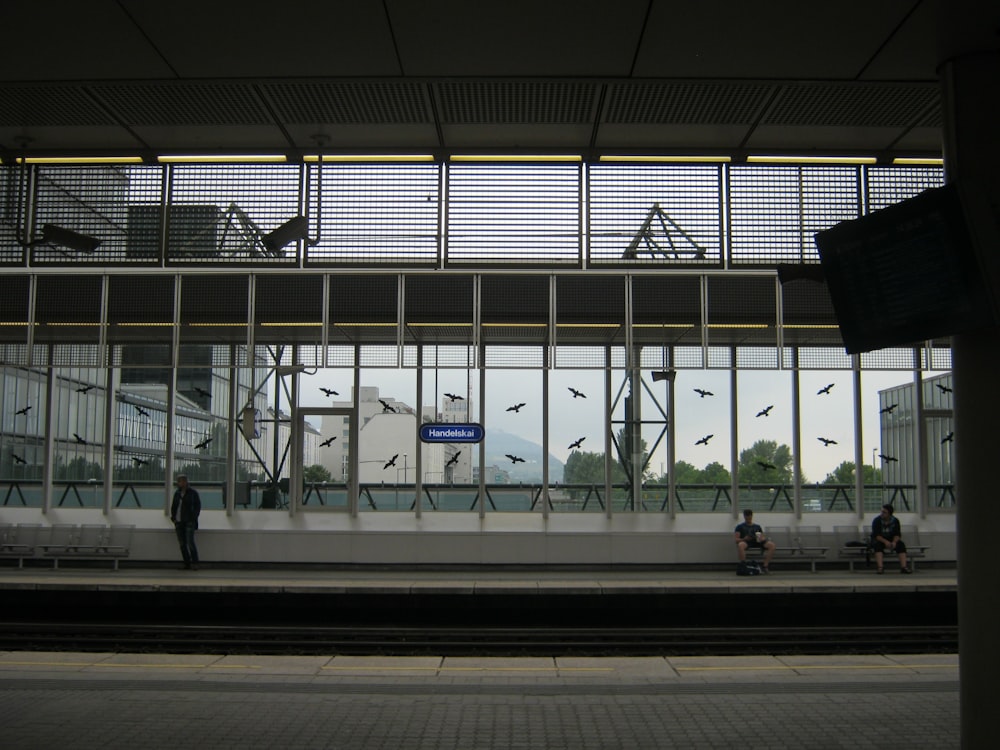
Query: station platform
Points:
[154, 701]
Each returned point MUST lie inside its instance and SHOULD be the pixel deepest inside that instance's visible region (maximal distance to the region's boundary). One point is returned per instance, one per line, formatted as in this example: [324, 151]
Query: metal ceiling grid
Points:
[288, 309]
[887, 185]
[214, 309]
[224, 212]
[179, 104]
[666, 310]
[654, 215]
[741, 311]
[774, 210]
[513, 214]
[63, 302]
[376, 214]
[48, 106]
[686, 103]
[348, 103]
[852, 105]
[513, 102]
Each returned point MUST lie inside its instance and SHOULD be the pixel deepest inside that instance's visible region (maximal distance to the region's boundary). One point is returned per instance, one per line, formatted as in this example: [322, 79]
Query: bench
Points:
[854, 545]
[19, 540]
[801, 545]
[89, 541]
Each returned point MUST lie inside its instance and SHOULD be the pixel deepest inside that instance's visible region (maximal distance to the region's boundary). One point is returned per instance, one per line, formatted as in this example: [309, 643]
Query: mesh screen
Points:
[774, 211]
[756, 358]
[15, 291]
[888, 185]
[689, 357]
[742, 310]
[288, 309]
[364, 299]
[74, 355]
[662, 215]
[68, 308]
[513, 213]
[225, 213]
[940, 358]
[140, 308]
[377, 214]
[514, 299]
[11, 215]
[518, 357]
[720, 356]
[888, 359]
[214, 308]
[14, 354]
[583, 357]
[590, 300]
[823, 359]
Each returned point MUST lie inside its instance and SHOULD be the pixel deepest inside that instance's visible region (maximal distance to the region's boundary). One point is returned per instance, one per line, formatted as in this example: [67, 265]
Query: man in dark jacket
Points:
[184, 512]
[886, 538]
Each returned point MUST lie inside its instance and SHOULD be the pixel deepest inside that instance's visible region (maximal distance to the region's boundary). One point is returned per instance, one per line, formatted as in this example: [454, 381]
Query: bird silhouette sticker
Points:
[18, 459]
[138, 461]
[766, 466]
[943, 388]
[329, 392]
[516, 408]
[704, 440]
[826, 441]
[576, 443]
[702, 393]
[85, 389]
[141, 412]
[453, 460]
[23, 411]
[79, 439]
[328, 441]
[766, 411]
[825, 390]
[386, 407]
[202, 392]
[947, 438]
[887, 459]
[514, 459]
[390, 462]
[887, 409]
[454, 397]
[577, 394]
[204, 443]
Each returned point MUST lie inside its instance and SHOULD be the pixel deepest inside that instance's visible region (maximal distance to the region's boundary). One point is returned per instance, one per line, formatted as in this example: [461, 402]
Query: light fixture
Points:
[293, 230]
[80, 160]
[222, 158]
[777, 159]
[648, 158]
[369, 157]
[517, 157]
[908, 161]
[60, 237]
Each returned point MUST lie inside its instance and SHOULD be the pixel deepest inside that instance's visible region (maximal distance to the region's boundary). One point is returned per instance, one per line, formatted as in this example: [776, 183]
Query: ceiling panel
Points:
[766, 40]
[260, 38]
[517, 37]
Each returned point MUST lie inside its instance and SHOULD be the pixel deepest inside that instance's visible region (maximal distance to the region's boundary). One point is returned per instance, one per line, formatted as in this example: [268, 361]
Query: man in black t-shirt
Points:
[750, 534]
[886, 535]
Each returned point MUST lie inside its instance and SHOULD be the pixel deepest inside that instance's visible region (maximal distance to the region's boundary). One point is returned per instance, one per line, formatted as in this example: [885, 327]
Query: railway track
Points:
[478, 640]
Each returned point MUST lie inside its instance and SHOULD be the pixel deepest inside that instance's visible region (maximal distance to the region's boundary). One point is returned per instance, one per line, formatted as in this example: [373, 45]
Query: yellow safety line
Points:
[817, 666]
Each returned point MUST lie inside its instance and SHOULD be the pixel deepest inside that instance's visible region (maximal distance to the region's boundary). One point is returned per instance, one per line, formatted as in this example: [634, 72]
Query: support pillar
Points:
[970, 77]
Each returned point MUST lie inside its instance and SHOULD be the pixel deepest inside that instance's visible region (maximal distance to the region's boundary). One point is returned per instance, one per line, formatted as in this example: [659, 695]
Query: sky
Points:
[828, 415]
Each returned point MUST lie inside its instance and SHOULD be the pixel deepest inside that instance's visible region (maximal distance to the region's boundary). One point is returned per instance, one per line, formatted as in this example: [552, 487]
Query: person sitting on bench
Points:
[750, 534]
[886, 538]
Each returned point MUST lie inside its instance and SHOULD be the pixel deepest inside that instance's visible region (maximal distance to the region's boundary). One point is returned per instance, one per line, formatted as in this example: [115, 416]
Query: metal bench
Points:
[90, 541]
[854, 545]
[19, 541]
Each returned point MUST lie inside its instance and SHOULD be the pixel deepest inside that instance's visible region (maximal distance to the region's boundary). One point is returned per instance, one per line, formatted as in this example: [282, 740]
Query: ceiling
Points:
[450, 76]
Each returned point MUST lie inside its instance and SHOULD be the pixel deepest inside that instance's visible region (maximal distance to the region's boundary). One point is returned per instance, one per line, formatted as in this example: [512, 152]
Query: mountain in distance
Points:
[499, 443]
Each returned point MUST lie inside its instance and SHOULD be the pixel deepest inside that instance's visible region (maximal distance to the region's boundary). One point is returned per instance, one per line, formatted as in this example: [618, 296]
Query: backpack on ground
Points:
[748, 568]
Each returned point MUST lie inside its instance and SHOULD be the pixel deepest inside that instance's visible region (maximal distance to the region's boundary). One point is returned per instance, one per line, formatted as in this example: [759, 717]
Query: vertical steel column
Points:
[354, 436]
[796, 435]
[418, 482]
[671, 440]
[734, 426]
[234, 433]
[48, 449]
[545, 444]
[295, 431]
[859, 474]
[482, 443]
[923, 494]
[168, 479]
[608, 432]
[104, 361]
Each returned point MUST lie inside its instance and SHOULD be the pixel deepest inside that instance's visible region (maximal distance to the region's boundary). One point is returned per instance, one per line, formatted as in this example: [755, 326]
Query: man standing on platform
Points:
[184, 512]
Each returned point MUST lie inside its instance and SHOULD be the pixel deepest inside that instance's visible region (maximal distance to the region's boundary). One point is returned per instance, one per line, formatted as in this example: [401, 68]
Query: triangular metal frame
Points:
[650, 237]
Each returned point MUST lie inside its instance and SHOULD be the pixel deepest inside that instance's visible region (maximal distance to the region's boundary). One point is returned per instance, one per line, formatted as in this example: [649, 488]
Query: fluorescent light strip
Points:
[917, 160]
[80, 160]
[516, 157]
[369, 157]
[290, 325]
[811, 160]
[222, 159]
[664, 159]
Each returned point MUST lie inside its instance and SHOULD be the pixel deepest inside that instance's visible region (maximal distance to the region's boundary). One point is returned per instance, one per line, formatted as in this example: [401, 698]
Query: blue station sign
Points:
[457, 432]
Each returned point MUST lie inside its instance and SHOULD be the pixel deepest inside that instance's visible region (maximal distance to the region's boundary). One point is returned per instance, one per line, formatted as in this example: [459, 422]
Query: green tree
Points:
[716, 473]
[316, 474]
[844, 474]
[766, 462]
[685, 473]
